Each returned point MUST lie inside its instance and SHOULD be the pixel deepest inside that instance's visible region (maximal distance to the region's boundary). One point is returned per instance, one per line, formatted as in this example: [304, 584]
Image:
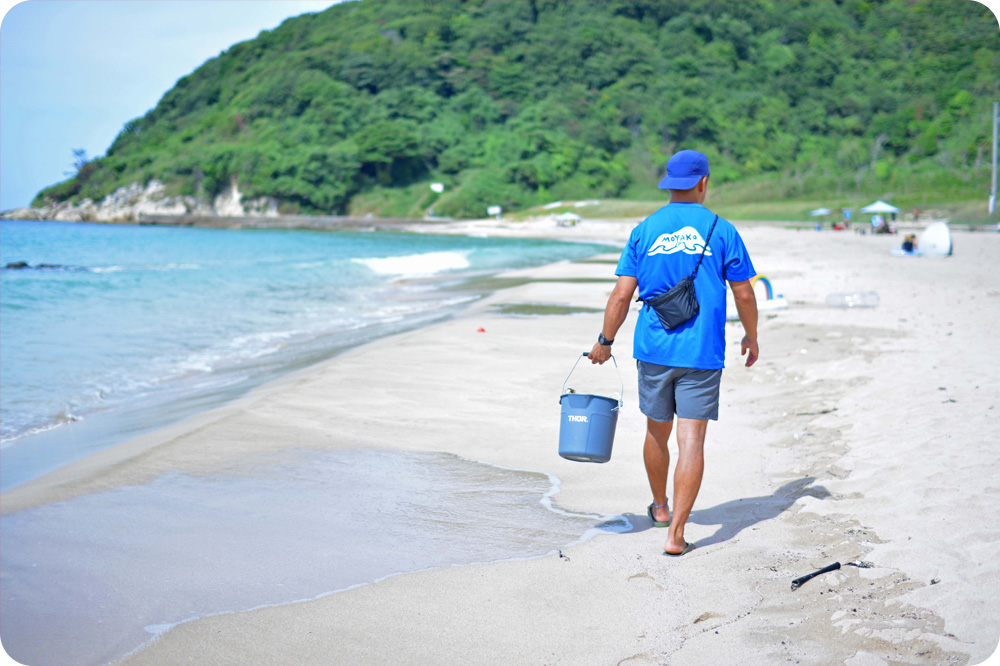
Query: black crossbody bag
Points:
[679, 303]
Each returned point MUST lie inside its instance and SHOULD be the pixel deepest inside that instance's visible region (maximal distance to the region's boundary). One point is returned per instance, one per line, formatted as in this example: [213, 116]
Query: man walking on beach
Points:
[680, 369]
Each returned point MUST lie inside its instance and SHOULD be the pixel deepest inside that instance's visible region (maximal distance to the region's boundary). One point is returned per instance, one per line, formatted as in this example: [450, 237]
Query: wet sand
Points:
[865, 434]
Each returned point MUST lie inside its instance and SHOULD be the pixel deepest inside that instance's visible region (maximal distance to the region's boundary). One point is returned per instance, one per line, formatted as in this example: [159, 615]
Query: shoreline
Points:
[137, 417]
[111, 457]
[131, 416]
[796, 478]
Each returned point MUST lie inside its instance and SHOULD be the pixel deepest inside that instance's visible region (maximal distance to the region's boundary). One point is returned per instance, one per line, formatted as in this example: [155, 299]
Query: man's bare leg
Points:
[687, 477]
[657, 458]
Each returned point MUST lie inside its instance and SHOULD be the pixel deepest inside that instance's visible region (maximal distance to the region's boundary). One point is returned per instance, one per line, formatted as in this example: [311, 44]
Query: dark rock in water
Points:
[23, 265]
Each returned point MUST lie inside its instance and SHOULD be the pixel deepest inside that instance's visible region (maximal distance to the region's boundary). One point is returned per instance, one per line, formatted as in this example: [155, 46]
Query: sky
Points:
[73, 72]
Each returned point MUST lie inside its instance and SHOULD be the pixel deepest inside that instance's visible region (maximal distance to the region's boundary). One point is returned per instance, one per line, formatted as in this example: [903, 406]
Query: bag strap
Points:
[704, 248]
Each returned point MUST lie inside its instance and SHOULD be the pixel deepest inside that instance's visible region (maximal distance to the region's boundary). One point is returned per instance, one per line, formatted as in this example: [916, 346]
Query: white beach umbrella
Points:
[880, 207]
[820, 211]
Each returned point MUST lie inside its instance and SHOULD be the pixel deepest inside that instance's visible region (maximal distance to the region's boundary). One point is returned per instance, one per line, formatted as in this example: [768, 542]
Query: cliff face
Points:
[132, 202]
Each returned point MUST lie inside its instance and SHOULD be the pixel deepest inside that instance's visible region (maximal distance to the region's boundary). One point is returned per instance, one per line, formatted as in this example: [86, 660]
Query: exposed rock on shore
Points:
[132, 202]
[23, 266]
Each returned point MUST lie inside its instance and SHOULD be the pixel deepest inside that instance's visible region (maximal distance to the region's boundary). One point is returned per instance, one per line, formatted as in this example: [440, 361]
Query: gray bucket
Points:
[587, 424]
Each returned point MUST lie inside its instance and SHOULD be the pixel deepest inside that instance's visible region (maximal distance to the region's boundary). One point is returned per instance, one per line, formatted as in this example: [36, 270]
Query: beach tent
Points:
[568, 219]
[880, 207]
[935, 240]
[820, 211]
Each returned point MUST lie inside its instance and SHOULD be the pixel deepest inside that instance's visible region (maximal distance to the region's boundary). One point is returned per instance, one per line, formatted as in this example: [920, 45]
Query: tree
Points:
[80, 160]
[539, 98]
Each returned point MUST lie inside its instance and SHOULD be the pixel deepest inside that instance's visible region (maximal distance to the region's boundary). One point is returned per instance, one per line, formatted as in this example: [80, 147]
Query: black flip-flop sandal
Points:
[688, 547]
[656, 523]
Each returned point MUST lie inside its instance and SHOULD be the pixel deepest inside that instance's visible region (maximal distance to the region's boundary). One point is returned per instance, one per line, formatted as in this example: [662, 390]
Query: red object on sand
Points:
[481, 330]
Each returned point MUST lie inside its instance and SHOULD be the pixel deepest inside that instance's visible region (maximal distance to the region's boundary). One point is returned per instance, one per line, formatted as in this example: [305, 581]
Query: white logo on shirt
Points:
[686, 240]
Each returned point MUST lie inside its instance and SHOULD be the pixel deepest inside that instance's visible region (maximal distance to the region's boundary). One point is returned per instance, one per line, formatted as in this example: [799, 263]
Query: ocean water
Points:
[128, 328]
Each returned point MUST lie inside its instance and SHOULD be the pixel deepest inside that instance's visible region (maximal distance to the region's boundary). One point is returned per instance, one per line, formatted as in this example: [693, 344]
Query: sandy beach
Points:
[865, 435]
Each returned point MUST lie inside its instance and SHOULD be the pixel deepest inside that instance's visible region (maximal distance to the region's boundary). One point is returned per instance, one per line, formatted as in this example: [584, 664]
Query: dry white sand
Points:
[865, 434]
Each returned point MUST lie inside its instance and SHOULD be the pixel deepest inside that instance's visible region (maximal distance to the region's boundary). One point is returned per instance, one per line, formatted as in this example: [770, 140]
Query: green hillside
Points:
[520, 103]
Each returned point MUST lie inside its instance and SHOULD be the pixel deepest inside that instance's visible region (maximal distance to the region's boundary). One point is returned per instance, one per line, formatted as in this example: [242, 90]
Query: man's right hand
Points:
[600, 353]
[748, 344]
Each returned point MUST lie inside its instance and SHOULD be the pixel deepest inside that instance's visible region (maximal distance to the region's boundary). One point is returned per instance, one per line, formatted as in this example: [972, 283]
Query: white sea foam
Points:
[60, 419]
[164, 267]
[417, 264]
[256, 345]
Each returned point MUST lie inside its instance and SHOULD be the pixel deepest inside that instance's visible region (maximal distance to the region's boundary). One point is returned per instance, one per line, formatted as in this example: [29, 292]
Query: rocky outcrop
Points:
[25, 266]
[132, 202]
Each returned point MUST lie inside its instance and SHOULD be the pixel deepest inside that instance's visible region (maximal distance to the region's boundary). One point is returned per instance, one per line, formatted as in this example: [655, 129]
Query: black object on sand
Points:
[797, 583]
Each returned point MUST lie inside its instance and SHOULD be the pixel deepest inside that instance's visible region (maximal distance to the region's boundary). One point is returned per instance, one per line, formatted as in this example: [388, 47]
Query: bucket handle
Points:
[621, 392]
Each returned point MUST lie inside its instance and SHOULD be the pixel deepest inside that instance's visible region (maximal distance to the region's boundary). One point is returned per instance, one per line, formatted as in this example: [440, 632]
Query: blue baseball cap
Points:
[684, 170]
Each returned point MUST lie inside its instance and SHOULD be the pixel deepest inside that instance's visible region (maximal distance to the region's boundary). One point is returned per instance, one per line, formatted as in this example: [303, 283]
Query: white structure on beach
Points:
[935, 240]
[880, 207]
[568, 219]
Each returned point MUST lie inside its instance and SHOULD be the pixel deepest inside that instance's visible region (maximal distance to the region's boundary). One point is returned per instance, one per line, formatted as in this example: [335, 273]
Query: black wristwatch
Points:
[604, 341]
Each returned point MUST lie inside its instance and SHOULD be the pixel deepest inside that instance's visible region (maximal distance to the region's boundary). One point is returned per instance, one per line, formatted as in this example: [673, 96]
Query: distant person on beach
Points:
[909, 243]
[884, 228]
[680, 369]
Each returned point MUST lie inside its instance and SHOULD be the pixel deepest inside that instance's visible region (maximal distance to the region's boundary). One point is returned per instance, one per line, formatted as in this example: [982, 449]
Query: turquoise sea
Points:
[114, 330]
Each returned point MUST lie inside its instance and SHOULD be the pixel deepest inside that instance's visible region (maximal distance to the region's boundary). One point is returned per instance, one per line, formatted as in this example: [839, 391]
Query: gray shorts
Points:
[690, 393]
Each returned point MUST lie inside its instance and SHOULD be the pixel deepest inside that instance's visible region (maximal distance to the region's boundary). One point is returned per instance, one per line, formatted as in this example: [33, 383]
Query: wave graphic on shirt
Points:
[686, 240]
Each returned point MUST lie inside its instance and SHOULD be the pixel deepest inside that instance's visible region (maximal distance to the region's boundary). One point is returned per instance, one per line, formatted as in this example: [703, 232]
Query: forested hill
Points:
[525, 102]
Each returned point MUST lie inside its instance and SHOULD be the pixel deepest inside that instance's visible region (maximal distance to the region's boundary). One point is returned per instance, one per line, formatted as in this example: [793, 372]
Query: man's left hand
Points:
[600, 353]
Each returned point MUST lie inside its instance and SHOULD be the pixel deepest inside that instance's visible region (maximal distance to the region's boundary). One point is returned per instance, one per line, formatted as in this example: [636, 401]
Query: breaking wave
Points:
[428, 263]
